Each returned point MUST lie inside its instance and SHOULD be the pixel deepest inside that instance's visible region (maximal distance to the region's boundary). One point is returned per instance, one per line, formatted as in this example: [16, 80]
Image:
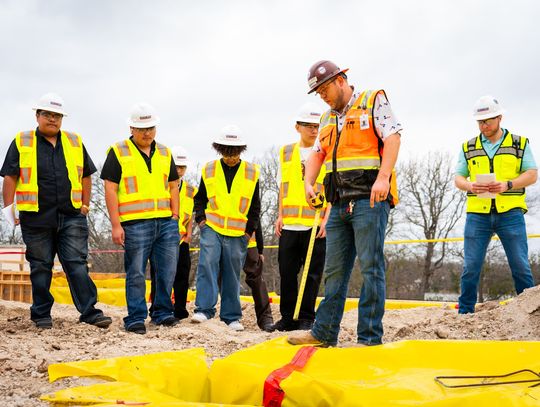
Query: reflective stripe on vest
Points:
[295, 209]
[187, 193]
[141, 194]
[506, 164]
[26, 190]
[357, 146]
[226, 212]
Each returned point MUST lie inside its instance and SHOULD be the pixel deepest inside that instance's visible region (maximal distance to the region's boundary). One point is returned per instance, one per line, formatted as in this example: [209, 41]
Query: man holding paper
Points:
[494, 168]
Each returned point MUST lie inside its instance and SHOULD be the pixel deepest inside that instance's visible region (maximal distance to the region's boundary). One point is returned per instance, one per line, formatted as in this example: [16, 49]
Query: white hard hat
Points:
[309, 113]
[142, 116]
[50, 102]
[230, 135]
[487, 107]
[180, 155]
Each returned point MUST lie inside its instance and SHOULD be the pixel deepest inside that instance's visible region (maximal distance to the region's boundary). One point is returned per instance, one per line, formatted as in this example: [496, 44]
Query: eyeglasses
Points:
[487, 122]
[144, 130]
[51, 115]
[324, 87]
[310, 126]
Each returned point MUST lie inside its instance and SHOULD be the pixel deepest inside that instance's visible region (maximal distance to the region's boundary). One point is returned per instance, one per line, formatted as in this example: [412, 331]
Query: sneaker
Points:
[101, 321]
[285, 325]
[304, 338]
[170, 321]
[199, 317]
[236, 326]
[137, 328]
[43, 323]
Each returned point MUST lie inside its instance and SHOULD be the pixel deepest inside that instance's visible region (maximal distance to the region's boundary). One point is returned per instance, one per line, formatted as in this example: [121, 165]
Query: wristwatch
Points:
[86, 207]
[509, 185]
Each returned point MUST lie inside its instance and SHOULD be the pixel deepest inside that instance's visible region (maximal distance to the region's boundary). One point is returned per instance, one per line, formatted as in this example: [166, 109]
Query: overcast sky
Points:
[210, 63]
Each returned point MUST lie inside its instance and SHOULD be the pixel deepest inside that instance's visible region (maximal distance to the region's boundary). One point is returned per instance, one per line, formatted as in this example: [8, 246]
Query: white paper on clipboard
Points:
[486, 178]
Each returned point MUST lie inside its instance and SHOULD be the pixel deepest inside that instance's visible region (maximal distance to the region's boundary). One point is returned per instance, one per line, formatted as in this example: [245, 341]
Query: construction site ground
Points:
[26, 352]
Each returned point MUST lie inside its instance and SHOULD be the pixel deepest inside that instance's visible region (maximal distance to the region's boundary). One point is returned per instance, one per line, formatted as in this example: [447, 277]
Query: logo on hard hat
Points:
[145, 117]
[322, 70]
[231, 136]
[482, 109]
[56, 103]
[315, 114]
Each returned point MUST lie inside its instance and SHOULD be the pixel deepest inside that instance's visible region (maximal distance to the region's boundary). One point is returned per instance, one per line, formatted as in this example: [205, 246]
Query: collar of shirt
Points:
[40, 134]
[497, 143]
[354, 96]
[152, 148]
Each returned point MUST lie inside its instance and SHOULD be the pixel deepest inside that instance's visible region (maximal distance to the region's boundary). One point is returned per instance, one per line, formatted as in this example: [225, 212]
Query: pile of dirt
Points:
[26, 352]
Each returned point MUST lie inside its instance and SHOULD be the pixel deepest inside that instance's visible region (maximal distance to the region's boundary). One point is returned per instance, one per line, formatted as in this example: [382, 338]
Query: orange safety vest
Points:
[353, 157]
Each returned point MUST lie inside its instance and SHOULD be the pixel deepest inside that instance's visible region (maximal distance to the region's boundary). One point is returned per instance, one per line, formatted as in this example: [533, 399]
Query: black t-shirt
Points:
[112, 170]
[54, 187]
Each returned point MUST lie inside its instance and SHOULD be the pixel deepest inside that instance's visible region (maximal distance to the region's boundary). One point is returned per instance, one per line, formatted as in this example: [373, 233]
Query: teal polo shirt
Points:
[527, 162]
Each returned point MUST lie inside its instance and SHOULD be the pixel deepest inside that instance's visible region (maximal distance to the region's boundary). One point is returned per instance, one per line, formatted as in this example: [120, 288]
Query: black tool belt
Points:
[348, 185]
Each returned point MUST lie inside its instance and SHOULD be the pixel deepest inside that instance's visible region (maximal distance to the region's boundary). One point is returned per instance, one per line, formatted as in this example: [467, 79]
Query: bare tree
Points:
[431, 206]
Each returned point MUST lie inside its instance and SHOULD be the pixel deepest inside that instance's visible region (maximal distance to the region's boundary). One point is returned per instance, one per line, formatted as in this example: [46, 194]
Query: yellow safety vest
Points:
[295, 210]
[506, 164]
[26, 190]
[252, 241]
[226, 213]
[141, 194]
[187, 192]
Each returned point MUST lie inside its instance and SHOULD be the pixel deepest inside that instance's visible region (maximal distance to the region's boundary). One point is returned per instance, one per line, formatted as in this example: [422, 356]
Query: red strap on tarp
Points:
[273, 395]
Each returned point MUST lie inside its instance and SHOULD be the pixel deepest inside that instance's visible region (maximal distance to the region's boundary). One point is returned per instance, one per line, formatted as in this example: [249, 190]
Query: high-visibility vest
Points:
[26, 190]
[187, 192]
[226, 212]
[252, 241]
[295, 210]
[358, 147]
[141, 194]
[506, 164]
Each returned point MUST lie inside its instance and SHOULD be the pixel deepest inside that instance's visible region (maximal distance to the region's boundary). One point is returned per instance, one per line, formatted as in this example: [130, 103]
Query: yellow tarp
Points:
[118, 394]
[180, 374]
[397, 374]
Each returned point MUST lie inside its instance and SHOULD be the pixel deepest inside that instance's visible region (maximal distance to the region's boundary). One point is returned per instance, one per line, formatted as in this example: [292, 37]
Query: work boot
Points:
[169, 321]
[101, 321]
[44, 323]
[285, 325]
[305, 325]
[137, 328]
[266, 324]
[304, 338]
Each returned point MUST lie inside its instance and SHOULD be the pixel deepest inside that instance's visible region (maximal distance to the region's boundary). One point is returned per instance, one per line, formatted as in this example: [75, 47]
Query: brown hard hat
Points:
[321, 72]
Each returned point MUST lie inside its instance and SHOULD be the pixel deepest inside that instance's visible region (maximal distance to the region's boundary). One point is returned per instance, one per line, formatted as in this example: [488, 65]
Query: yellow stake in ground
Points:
[317, 202]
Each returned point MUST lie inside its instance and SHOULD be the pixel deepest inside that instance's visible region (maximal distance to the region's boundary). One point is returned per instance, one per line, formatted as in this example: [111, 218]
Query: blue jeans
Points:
[479, 228]
[348, 235]
[155, 240]
[221, 257]
[70, 241]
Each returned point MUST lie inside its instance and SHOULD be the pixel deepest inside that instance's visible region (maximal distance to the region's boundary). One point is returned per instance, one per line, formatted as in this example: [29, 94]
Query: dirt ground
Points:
[26, 352]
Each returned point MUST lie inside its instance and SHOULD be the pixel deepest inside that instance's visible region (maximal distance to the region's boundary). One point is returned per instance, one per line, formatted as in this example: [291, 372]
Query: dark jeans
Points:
[155, 240]
[180, 285]
[253, 267]
[70, 241]
[293, 246]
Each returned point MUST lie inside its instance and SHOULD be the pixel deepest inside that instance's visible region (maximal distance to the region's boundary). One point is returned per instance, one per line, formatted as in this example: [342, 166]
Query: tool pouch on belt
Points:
[347, 185]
